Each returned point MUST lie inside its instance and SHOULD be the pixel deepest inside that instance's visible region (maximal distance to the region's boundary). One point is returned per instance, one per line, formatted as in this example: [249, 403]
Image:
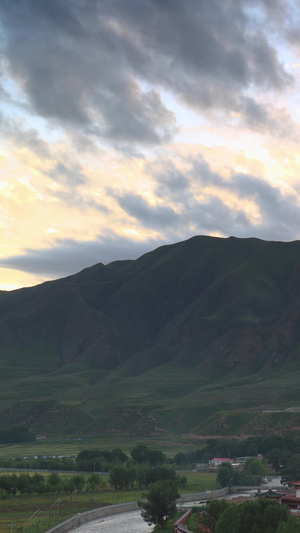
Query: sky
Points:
[129, 124]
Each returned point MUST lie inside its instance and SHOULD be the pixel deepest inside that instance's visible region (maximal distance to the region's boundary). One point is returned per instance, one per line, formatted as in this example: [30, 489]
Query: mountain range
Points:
[196, 338]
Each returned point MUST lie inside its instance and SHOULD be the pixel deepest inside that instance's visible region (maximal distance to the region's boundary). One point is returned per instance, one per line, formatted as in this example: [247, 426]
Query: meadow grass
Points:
[167, 445]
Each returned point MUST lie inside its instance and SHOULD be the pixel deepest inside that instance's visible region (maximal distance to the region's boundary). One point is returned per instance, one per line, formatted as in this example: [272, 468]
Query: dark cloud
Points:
[99, 65]
[71, 174]
[66, 169]
[32, 140]
[267, 118]
[73, 199]
[29, 138]
[280, 214]
[276, 209]
[172, 184]
[214, 216]
[150, 216]
[69, 257]
[75, 72]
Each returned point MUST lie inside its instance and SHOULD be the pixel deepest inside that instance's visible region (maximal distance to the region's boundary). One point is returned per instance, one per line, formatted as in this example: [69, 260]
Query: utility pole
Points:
[57, 502]
[38, 521]
[73, 494]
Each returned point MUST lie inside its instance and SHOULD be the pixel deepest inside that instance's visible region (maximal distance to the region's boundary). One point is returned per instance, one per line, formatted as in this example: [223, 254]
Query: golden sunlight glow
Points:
[11, 279]
[131, 232]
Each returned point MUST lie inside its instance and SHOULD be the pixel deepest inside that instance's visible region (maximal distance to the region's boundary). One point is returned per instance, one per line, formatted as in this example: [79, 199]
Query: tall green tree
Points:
[225, 475]
[291, 471]
[209, 519]
[291, 526]
[139, 453]
[79, 482]
[161, 502]
[117, 477]
[255, 467]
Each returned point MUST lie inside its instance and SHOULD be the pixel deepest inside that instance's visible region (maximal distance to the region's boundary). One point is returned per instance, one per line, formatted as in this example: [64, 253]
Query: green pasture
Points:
[50, 447]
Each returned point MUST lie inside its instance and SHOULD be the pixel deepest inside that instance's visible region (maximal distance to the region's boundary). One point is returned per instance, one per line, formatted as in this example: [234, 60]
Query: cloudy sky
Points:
[128, 124]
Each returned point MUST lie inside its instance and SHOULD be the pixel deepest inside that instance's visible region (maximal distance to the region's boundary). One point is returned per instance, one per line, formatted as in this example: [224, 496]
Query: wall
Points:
[207, 495]
[81, 518]
[178, 526]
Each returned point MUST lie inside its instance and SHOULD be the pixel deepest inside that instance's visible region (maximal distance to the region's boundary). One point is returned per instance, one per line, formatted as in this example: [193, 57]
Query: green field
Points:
[35, 514]
[62, 447]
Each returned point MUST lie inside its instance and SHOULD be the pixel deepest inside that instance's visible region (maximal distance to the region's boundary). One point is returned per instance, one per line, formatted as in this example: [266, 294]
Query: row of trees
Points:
[40, 463]
[15, 434]
[39, 484]
[120, 478]
[91, 460]
[127, 477]
[103, 460]
[261, 516]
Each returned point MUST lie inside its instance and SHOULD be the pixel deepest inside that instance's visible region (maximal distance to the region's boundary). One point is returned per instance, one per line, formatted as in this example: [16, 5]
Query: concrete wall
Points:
[207, 495]
[82, 518]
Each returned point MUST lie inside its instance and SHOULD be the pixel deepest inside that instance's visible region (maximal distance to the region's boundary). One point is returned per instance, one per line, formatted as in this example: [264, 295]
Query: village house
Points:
[217, 461]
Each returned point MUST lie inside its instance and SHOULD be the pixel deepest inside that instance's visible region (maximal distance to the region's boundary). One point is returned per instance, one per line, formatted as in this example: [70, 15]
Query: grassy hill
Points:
[195, 338]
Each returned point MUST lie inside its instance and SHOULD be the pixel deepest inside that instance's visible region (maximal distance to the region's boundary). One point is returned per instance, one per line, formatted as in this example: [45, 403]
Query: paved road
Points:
[130, 522]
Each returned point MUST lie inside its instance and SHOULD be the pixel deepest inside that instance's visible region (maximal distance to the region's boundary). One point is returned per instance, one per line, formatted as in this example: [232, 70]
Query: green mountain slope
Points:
[199, 336]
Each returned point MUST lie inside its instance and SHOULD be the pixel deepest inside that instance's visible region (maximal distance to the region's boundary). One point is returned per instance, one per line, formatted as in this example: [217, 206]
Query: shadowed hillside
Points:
[199, 336]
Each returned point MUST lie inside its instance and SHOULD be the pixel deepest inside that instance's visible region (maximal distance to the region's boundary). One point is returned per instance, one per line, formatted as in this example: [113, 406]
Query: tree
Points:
[209, 518]
[24, 484]
[179, 458]
[139, 453]
[54, 482]
[291, 526]
[262, 516]
[274, 458]
[129, 477]
[291, 469]
[69, 486]
[255, 467]
[181, 481]
[117, 477]
[225, 474]
[78, 481]
[161, 502]
[93, 482]
[38, 483]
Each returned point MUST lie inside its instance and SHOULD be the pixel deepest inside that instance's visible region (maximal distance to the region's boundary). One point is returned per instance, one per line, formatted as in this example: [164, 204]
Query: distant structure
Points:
[288, 410]
[217, 461]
